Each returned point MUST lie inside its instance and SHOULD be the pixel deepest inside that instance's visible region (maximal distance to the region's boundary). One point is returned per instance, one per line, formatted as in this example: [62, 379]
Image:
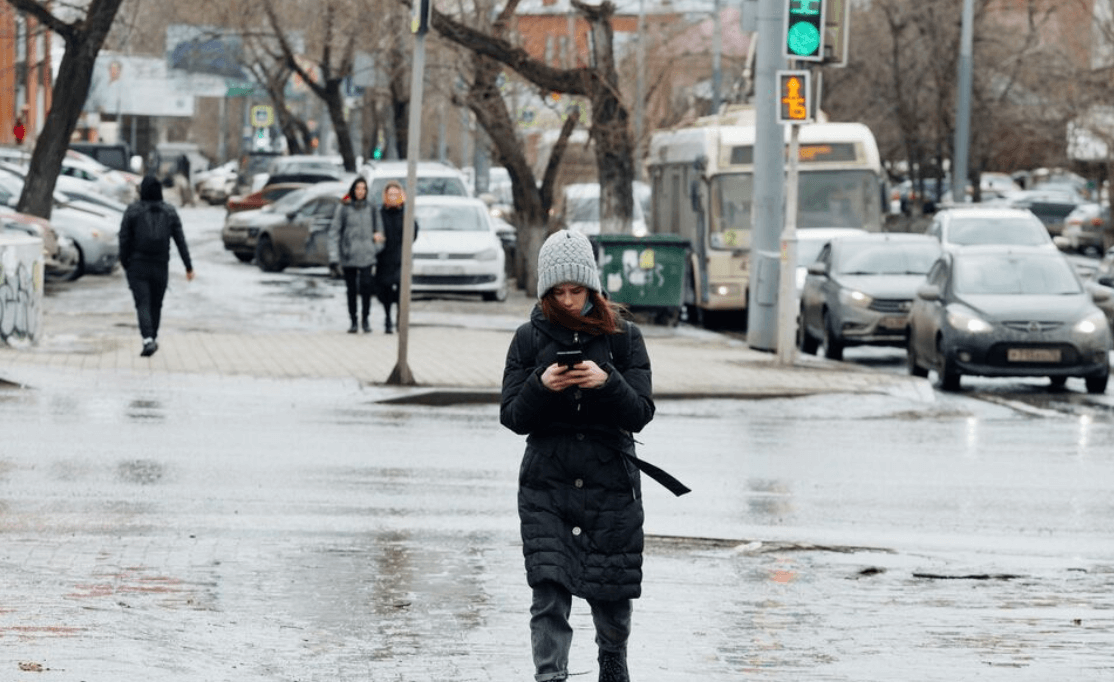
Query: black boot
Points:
[353, 328]
[366, 325]
[387, 324]
[613, 666]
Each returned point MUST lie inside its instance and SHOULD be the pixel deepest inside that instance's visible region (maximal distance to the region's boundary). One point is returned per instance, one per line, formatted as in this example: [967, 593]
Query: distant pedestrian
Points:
[388, 265]
[183, 181]
[355, 237]
[145, 233]
[579, 488]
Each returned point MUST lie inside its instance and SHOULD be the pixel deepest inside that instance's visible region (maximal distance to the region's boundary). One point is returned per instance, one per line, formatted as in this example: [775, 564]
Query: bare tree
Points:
[270, 70]
[338, 23]
[84, 36]
[599, 83]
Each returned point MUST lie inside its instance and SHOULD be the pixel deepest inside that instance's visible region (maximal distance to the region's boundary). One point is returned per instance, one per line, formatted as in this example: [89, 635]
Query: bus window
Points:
[839, 199]
[731, 223]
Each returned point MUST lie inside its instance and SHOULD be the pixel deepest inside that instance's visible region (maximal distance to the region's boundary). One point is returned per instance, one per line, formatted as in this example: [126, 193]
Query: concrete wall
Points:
[21, 289]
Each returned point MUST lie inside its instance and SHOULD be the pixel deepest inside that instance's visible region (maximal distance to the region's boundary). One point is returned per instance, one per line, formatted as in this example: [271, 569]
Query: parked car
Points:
[59, 252]
[93, 234]
[579, 209]
[1083, 228]
[306, 169]
[1008, 311]
[268, 195]
[296, 233]
[975, 224]
[253, 165]
[119, 185]
[459, 250]
[433, 178]
[859, 291]
[117, 156]
[241, 229]
[216, 184]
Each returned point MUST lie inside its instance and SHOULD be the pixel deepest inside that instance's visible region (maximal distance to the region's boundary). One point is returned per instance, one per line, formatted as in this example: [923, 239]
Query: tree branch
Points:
[69, 32]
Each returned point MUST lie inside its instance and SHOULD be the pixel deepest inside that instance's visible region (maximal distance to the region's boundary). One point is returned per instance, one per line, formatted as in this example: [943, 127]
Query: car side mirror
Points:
[1101, 293]
[817, 269]
[928, 292]
[291, 215]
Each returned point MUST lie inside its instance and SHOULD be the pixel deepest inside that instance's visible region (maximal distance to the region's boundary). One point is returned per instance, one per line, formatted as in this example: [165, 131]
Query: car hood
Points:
[1066, 308]
[883, 286]
[433, 242]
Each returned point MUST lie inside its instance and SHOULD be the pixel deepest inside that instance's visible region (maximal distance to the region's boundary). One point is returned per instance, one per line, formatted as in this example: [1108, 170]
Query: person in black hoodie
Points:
[145, 233]
[388, 264]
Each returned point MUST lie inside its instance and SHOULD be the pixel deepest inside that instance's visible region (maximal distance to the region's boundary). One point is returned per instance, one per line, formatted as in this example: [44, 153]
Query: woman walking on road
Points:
[577, 383]
[354, 241]
[146, 229]
[388, 265]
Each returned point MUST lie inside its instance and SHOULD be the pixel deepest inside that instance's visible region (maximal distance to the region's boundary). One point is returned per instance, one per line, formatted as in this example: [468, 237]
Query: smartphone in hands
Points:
[569, 358]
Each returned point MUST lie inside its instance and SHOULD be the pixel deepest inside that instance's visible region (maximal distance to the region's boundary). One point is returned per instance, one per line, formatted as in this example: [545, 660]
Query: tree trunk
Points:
[68, 97]
[334, 101]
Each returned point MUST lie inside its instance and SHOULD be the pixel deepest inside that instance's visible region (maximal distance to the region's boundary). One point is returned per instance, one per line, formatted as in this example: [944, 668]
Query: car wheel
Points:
[1097, 384]
[805, 341]
[914, 368]
[79, 268]
[949, 374]
[833, 345]
[1057, 382]
[244, 257]
[267, 255]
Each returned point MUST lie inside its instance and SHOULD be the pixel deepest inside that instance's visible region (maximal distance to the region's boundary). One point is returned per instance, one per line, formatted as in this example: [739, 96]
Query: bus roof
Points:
[684, 145]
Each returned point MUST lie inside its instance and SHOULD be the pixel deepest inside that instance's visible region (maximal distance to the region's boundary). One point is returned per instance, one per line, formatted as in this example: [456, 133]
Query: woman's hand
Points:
[586, 374]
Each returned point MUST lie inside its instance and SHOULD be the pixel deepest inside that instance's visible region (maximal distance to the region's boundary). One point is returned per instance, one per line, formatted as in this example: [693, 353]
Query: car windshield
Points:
[429, 185]
[1021, 231]
[455, 218]
[1010, 274]
[886, 258]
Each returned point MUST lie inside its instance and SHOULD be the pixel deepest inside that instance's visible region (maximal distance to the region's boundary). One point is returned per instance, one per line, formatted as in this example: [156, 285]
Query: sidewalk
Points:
[445, 352]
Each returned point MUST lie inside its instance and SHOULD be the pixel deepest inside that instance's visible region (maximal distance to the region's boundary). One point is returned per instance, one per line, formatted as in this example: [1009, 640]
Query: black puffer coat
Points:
[580, 498]
[148, 226]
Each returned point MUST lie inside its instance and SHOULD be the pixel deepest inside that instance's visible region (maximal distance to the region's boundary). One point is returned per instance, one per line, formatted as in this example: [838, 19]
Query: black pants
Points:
[358, 281]
[148, 284]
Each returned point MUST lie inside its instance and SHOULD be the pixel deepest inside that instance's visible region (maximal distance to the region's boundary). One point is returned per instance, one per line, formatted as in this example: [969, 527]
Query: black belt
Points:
[671, 484]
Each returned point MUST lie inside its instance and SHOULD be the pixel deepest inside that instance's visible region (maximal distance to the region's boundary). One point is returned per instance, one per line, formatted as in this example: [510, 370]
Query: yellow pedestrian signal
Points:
[794, 97]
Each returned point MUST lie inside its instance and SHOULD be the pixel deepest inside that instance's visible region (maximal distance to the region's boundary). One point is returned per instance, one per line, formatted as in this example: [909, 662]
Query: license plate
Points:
[443, 270]
[892, 322]
[1033, 355]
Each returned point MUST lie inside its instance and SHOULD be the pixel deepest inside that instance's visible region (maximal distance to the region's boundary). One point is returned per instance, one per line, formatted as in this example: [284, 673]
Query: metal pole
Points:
[769, 178]
[640, 89]
[963, 106]
[401, 375]
[717, 50]
[787, 274]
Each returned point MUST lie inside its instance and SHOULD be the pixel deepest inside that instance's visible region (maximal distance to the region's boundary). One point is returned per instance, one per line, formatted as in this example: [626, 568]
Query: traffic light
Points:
[794, 105]
[804, 30]
[377, 154]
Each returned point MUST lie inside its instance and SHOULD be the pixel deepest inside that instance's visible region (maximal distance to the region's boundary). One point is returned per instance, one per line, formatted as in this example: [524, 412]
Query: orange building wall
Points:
[7, 74]
[39, 79]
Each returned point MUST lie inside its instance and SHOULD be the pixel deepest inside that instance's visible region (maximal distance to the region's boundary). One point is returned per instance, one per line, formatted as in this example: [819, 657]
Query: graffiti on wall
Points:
[19, 304]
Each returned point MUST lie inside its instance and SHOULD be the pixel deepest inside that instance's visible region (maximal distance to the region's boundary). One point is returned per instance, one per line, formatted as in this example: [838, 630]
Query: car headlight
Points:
[855, 298]
[967, 322]
[1091, 324]
[487, 254]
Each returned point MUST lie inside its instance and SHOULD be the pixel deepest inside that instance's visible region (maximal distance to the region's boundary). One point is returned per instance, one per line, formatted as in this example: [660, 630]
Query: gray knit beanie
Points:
[567, 257]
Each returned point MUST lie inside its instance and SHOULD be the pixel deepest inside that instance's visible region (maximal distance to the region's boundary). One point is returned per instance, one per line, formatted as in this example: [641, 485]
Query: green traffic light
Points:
[803, 39]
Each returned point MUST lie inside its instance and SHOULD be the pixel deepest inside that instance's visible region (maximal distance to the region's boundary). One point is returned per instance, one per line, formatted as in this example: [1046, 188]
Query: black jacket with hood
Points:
[147, 228]
[580, 494]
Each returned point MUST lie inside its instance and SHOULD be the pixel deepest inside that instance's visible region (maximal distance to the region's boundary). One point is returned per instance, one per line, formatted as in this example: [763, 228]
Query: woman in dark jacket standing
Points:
[146, 229]
[388, 264]
[354, 240]
[579, 495]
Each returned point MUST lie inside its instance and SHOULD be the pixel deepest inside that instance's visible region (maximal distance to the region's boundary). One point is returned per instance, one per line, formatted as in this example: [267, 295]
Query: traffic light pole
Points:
[401, 375]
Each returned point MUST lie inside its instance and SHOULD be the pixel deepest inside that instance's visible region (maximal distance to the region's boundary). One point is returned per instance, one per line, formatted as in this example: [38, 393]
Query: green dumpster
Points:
[644, 273]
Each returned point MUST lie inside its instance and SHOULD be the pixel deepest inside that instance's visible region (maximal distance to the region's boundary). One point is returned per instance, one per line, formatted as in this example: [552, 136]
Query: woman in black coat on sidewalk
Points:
[146, 229]
[388, 264]
[580, 494]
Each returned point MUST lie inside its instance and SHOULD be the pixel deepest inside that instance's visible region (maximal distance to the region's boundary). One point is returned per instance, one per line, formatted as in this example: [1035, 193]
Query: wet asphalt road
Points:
[202, 528]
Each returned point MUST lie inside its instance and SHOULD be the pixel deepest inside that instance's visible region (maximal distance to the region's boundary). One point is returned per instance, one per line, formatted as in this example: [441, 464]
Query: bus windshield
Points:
[844, 198]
